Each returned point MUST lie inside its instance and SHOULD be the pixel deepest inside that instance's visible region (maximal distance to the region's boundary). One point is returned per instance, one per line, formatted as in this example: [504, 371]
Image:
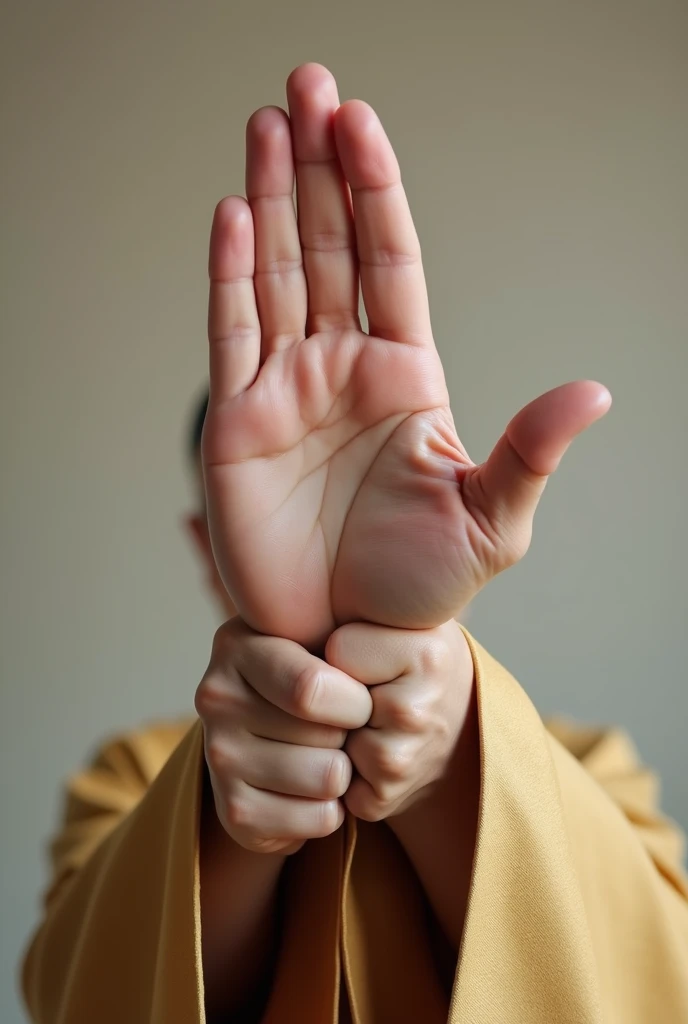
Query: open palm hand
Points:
[337, 487]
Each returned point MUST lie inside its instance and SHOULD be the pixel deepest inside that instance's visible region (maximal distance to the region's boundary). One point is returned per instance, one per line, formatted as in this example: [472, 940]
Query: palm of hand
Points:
[302, 467]
[337, 488]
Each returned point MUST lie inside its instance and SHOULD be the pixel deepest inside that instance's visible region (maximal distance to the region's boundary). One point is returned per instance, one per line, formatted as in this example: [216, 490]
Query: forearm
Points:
[438, 831]
[239, 917]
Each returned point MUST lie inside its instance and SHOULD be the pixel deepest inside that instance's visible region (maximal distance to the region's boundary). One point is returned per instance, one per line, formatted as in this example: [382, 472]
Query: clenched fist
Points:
[291, 738]
[420, 683]
[275, 719]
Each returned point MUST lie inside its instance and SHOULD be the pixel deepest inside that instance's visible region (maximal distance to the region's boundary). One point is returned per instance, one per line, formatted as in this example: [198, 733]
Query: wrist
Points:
[439, 830]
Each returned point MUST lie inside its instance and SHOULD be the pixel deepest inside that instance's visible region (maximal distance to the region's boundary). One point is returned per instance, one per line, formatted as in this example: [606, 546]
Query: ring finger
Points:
[260, 815]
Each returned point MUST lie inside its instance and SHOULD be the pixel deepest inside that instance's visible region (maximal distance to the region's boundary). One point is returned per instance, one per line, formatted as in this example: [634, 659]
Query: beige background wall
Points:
[546, 155]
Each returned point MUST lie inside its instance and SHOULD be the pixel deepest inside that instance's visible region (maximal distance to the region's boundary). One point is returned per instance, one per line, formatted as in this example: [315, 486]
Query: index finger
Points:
[392, 278]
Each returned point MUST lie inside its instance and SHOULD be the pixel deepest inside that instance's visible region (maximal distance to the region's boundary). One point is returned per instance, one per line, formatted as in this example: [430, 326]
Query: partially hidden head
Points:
[196, 522]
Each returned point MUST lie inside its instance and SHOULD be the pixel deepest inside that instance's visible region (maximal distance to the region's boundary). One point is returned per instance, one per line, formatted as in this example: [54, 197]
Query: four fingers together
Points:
[278, 273]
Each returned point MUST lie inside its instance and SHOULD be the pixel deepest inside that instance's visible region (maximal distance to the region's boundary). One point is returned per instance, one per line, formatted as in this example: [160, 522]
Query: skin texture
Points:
[337, 488]
[285, 732]
[420, 682]
[276, 718]
[344, 518]
[285, 729]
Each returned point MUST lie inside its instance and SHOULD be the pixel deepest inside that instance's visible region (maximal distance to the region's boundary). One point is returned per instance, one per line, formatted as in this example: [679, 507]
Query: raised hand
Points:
[337, 487]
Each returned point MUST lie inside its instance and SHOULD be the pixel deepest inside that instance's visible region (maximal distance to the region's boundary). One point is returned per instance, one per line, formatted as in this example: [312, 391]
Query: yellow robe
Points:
[578, 912]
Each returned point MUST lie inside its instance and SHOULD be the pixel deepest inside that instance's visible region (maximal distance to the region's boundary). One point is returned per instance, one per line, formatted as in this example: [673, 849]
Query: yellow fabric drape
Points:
[578, 912]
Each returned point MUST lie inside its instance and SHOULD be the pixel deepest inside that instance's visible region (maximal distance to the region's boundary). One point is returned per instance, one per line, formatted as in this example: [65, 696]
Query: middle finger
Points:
[325, 216]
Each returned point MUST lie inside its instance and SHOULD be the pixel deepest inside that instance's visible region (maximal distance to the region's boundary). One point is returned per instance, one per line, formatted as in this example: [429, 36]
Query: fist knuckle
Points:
[445, 732]
[434, 657]
[391, 764]
[256, 843]
[238, 814]
[221, 756]
[366, 806]
[219, 694]
[223, 641]
[373, 811]
[209, 695]
[405, 716]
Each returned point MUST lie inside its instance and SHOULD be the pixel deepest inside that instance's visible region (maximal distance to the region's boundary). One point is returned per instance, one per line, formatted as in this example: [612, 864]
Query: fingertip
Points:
[231, 237]
[267, 122]
[542, 431]
[331, 647]
[231, 208]
[367, 706]
[342, 641]
[365, 152]
[313, 100]
[308, 77]
[356, 117]
[601, 397]
[269, 158]
[328, 654]
[586, 392]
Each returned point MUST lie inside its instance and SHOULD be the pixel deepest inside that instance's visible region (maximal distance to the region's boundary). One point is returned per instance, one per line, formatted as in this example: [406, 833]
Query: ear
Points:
[196, 526]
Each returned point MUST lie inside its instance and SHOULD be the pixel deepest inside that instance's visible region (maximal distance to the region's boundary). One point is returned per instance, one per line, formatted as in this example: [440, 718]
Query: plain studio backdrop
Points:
[545, 152]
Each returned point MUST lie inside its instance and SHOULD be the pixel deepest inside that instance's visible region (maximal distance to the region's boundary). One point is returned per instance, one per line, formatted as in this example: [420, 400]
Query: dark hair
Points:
[197, 422]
